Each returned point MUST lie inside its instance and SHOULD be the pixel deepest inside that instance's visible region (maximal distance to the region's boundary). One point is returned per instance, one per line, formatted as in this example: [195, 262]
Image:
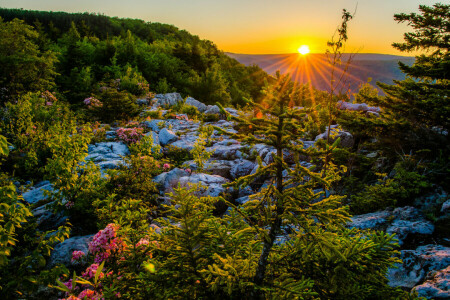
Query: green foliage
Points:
[117, 105]
[76, 183]
[155, 114]
[199, 152]
[146, 146]
[177, 156]
[25, 68]
[210, 118]
[134, 180]
[405, 185]
[190, 110]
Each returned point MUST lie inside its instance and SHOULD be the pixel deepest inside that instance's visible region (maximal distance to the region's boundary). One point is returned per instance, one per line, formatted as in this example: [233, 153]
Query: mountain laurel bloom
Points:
[77, 255]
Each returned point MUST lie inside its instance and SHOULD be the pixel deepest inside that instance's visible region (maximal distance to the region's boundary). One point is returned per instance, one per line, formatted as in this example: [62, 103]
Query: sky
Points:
[259, 26]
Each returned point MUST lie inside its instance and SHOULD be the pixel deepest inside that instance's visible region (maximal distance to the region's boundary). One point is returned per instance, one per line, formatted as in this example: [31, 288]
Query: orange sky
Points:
[258, 26]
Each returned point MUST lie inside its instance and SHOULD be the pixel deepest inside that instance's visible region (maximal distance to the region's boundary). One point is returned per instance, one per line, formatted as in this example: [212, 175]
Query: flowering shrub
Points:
[77, 255]
[106, 243]
[130, 135]
[92, 103]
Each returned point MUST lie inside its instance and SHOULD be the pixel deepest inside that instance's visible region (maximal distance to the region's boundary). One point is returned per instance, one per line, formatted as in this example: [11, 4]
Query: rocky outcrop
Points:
[357, 107]
[418, 264]
[36, 193]
[62, 253]
[405, 222]
[107, 155]
[168, 100]
[436, 287]
[241, 167]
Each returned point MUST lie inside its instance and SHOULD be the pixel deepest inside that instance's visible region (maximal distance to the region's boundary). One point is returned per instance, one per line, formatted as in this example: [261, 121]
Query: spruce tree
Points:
[299, 227]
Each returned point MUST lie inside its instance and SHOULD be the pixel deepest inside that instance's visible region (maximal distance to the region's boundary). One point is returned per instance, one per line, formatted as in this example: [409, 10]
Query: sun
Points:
[303, 49]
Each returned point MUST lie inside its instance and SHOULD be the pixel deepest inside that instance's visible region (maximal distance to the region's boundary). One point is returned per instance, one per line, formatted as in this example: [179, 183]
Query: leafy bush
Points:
[116, 105]
[399, 190]
[154, 114]
[210, 118]
[177, 156]
[190, 110]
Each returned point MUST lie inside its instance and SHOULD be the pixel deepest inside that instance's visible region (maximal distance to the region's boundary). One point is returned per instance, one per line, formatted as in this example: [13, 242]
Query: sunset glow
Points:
[303, 49]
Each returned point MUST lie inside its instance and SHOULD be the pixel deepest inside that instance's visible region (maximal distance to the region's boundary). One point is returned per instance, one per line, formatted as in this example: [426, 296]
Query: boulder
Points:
[210, 185]
[168, 100]
[232, 111]
[405, 222]
[347, 139]
[445, 207]
[200, 106]
[48, 220]
[213, 167]
[62, 253]
[155, 137]
[226, 150]
[107, 155]
[142, 101]
[357, 107]
[36, 193]
[418, 264]
[212, 110]
[154, 125]
[242, 200]
[167, 136]
[241, 167]
[437, 287]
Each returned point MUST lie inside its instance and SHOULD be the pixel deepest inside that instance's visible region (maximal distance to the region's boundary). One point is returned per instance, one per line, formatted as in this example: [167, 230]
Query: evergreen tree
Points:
[305, 249]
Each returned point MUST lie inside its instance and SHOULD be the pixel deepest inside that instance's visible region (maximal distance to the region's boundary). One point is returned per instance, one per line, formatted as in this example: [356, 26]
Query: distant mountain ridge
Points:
[314, 68]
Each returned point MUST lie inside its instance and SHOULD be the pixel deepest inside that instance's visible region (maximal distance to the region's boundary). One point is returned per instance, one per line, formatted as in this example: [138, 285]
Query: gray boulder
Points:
[445, 207]
[213, 167]
[403, 221]
[142, 101]
[357, 107]
[210, 185]
[48, 220]
[107, 155]
[200, 106]
[62, 253]
[167, 136]
[154, 125]
[212, 110]
[418, 264]
[168, 100]
[347, 139]
[241, 167]
[232, 111]
[36, 193]
[437, 287]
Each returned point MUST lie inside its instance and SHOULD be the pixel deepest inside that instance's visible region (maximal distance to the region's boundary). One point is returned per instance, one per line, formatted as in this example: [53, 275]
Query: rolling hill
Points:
[314, 68]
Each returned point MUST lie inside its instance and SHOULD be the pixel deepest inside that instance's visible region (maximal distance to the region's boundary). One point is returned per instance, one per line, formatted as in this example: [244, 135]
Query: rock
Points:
[155, 137]
[185, 142]
[417, 264]
[107, 155]
[111, 135]
[445, 207]
[405, 222]
[408, 222]
[226, 152]
[212, 110]
[200, 106]
[36, 194]
[242, 200]
[47, 219]
[154, 125]
[247, 191]
[168, 100]
[142, 101]
[232, 111]
[213, 167]
[437, 287]
[241, 167]
[169, 180]
[167, 136]
[357, 107]
[376, 220]
[347, 139]
[62, 253]
[211, 185]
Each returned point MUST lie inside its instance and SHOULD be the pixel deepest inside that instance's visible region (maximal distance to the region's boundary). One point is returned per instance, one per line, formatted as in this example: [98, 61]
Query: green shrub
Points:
[210, 118]
[116, 105]
[190, 110]
[154, 114]
[177, 156]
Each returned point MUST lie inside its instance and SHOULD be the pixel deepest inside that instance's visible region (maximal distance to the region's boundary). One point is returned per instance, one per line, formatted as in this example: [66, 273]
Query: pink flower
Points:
[166, 167]
[77, 255]
[142, 242]
[69, 204]
[48, 103]
[188, 170]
